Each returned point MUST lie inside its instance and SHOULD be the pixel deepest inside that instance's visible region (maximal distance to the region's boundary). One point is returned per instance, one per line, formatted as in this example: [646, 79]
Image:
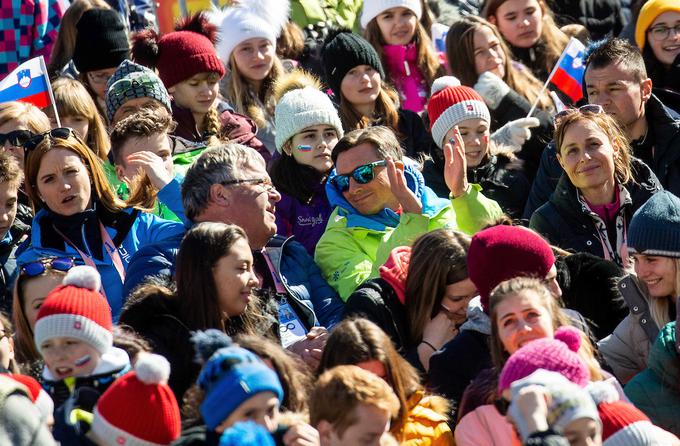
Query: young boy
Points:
[73, 333]
[351, 406]
[12, 231]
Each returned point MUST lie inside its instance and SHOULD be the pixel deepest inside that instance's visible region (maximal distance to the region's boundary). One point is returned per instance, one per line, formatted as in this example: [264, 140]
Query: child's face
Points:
[235, 278]
[476, 134]
[78, 123]
[254, 58]
[583, 432]
[371, 425]
[157, 144]
[8, 207]
[69, 357]
[198, 93]
[313, 147]
[6, 347]
[262, 408]
[35, 291]
[397, 25]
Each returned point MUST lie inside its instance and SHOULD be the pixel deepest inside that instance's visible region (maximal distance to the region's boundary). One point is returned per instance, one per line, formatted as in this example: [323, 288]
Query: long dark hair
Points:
[202, 247]
[293, 178]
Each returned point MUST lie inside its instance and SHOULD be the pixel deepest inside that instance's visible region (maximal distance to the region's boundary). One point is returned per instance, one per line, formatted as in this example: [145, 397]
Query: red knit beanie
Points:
[139, 408]
[450, 104]
[77, 310]
[504, 252]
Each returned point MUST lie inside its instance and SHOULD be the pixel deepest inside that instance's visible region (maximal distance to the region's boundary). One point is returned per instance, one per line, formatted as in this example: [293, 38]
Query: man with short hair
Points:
[381, 202]
[230, 184]
[616, 79]
[350, 406]
[140, 144]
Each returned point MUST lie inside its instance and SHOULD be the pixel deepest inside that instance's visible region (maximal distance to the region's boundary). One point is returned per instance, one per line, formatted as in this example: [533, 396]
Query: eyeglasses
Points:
[265, 183]
[60, 133]
[122, 86]
[38, 267]
[662, 32]
[16, 138]
[362, 175]
[100, 78]
[593, 109]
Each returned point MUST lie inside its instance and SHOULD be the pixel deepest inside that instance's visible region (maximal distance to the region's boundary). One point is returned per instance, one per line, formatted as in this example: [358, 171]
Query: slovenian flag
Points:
[27, 83]
[567, 76]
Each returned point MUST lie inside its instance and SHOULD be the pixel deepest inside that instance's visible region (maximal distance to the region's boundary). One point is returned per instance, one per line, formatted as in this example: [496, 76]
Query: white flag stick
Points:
[49, 91]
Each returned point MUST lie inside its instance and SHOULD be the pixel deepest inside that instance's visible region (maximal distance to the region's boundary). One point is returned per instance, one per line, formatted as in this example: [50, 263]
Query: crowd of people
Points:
[347, 222]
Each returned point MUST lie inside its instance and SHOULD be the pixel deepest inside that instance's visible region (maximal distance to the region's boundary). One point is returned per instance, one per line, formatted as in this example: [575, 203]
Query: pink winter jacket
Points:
[484, 426]
[400, 62]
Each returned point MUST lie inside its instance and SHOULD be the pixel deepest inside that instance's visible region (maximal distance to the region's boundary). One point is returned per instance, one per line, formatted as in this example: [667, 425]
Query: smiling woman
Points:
[657, 34]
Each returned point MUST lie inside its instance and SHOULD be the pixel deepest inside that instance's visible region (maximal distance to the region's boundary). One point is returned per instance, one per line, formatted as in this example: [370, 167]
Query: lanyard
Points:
[280, 287]
[108, 245]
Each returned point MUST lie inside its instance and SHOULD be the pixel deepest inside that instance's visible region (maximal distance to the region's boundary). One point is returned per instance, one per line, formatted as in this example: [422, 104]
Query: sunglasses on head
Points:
[16, 138]
[363, 175]
[60, 133]
[593, 109]
[122, 86]
[38, 267]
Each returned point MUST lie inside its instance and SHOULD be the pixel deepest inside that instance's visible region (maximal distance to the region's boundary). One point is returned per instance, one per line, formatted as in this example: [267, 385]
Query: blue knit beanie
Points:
[230, 376]
[655, 227]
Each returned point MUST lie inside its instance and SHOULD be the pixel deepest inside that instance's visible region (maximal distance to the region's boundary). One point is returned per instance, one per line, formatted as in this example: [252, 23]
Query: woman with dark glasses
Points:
[78, 214]
[602, 186]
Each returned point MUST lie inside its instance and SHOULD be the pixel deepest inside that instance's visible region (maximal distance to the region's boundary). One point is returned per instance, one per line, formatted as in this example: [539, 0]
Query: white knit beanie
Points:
[302, 108]
[373, 8]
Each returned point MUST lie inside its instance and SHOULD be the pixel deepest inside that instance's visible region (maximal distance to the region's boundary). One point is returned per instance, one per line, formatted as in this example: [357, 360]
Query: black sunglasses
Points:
[16, 138]
[59, 133]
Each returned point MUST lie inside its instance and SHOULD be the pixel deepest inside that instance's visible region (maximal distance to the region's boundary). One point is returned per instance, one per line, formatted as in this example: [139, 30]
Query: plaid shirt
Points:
[29, 29]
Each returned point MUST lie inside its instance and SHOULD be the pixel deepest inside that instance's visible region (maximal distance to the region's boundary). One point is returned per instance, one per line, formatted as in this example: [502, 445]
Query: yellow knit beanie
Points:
[649, 12]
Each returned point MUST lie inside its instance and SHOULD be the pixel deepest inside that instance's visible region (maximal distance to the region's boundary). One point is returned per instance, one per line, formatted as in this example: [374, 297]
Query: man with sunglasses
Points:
[616, 79]
[381, 202]
[230, 184]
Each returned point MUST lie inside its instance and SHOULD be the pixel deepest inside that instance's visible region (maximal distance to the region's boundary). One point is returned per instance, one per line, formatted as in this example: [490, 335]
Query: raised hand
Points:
[153, 166]
[408, 200]
[455, 165]
[515, 133]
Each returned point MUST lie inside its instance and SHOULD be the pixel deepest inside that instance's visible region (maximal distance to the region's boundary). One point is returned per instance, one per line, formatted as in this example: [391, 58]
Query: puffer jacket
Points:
[354, 246]
[627, 348]
[501, 177]
[484, 426]
[401, 62]
[129, 230]
[426, 423]
[566, 221]
[16, 235]
[656, 391]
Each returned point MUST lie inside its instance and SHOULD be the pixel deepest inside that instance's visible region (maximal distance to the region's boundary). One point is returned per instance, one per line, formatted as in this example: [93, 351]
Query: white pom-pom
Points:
[443, 82]
[83, 276]
[602, 392]
[274, 12]
[152, 369]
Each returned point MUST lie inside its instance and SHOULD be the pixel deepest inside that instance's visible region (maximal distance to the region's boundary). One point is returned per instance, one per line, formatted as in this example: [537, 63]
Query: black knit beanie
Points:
[101, 41]
[343, 51]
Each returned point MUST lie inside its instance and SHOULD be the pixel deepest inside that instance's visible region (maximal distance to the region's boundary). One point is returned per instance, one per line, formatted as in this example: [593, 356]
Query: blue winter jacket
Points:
[129, 230]
[297, 270]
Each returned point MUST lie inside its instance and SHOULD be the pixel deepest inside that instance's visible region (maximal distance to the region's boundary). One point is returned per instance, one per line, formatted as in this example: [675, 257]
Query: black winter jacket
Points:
[9, 270]
[603, 18]
[415, 139]
[567, 224]
[502, 179]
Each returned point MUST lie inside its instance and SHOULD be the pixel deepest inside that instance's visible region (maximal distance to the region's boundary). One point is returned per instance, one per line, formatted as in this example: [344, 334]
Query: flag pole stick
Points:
[552, 73]
[49, 91]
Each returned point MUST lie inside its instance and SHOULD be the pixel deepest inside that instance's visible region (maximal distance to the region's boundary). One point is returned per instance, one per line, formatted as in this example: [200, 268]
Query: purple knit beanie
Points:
[555, 355]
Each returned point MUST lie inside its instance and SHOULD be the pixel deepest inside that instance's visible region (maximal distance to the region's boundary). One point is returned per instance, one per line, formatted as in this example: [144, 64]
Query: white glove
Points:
[491, 88]
[515, 133]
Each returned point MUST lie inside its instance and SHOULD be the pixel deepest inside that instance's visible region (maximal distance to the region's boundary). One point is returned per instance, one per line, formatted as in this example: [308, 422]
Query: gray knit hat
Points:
[302, 108]
[132, 81]
[655, 227]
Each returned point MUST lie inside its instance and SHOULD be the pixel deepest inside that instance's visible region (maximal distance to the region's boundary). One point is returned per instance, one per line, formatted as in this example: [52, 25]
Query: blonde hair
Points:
[257, 105]
[35, 120]
[623, 171]
[659, 306]
[426, 59]
[72, 99]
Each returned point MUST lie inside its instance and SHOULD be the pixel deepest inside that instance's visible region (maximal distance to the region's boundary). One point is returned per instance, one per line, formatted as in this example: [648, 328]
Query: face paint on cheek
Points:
[303, 148]
[82, 361]
[485, 139]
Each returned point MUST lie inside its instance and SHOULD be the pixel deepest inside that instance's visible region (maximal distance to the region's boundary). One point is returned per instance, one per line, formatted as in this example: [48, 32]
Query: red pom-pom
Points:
[570, 336]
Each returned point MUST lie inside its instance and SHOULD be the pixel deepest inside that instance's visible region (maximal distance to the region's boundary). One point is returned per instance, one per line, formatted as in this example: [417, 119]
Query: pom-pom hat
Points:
[77, 310]
[230, 376]
[655, 227]
[137, 82]
[139, 409]
[42, 401]
[452, 103]
[373, 8]
[557, 355]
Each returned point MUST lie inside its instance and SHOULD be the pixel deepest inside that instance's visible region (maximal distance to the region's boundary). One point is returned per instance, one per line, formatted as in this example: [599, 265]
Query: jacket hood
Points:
[663, 358]
[477, 319]
[387, 217]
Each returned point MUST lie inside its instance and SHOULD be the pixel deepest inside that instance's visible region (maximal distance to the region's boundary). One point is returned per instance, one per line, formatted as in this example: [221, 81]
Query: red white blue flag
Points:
[27, 83]
[567, 76]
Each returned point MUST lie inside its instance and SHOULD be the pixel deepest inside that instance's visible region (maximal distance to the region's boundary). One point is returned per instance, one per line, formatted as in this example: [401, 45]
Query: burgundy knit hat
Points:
[504, 252]
[452, 103]
[179, 55]
[139, 409]
[555, 355]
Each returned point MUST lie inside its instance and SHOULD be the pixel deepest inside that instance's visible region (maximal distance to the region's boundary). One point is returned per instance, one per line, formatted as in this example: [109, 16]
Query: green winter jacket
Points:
[656, 390]
[354, 246]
